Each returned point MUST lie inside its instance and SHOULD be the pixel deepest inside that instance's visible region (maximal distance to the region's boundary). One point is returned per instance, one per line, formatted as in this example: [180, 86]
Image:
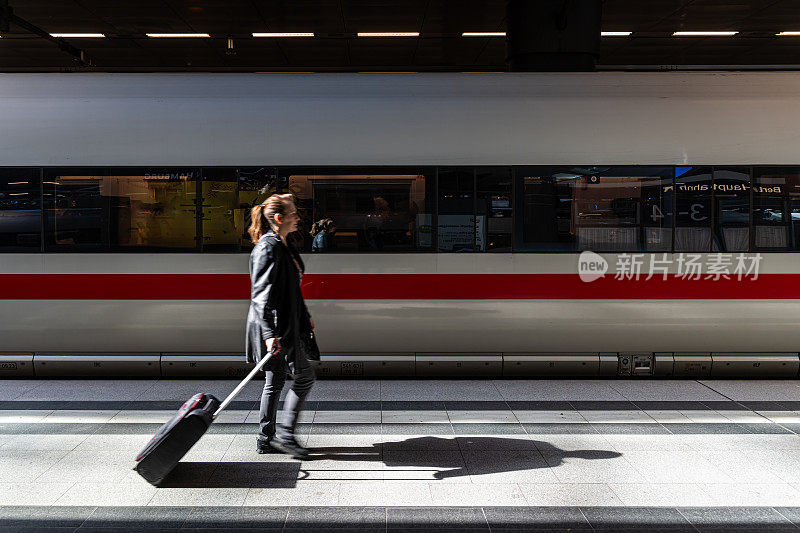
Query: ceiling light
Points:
[615, 33]
[788, 33]
[283, 35]
[484, 34]
[196, 35]
[390, 34]
[704, 33]
[76, 35]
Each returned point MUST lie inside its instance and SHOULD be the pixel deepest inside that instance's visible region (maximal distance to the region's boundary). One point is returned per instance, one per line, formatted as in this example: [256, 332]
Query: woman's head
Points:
[381, 205]
[324, 224]
[277, 213]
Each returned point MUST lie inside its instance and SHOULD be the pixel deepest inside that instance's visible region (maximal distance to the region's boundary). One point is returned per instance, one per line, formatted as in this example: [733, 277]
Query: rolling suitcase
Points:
[176, 437]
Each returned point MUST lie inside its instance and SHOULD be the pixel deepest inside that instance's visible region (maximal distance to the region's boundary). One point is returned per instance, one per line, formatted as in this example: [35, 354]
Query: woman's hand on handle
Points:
[312, 323]
[273, 345]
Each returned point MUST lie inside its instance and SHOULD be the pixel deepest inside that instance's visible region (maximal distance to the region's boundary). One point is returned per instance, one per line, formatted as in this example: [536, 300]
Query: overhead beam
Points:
[553, 35]
[7, 17]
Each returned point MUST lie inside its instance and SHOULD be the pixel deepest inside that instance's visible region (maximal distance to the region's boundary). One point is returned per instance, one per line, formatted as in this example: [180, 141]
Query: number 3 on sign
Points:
[696, 216]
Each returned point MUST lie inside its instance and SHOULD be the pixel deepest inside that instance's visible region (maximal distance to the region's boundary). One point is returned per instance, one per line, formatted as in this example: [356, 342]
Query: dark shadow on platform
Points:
[449, 457]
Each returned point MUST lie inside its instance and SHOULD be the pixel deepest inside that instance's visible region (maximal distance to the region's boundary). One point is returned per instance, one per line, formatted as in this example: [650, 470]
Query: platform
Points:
[396, 454]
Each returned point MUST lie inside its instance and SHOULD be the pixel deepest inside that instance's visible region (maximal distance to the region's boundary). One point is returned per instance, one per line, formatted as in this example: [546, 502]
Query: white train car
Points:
[462, 202]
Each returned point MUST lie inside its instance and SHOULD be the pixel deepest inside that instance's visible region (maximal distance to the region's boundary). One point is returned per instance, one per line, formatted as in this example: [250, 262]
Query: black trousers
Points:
[293, 403]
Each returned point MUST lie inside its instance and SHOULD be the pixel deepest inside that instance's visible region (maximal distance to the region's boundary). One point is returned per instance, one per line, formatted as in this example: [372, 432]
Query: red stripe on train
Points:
[393, 287]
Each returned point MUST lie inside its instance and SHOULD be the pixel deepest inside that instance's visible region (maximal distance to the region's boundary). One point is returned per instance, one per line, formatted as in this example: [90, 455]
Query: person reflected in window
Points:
[322, 232]
[277, 321]
[374, 223]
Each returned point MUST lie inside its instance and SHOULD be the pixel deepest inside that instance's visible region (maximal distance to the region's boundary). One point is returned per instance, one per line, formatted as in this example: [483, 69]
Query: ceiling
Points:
[440, 46]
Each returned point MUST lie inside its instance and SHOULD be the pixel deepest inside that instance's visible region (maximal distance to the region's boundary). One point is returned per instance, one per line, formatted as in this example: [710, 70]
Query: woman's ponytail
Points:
[262, 216]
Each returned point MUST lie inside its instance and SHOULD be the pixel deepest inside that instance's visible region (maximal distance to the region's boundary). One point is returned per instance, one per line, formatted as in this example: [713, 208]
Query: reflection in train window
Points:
[731, 209]
[776, 208]
[387, 209]
[458, 225]
[20, 210]
[256, 184]
[494, 220]
[144, 209]
[693, 209]
[596, 208]
[218, 202]
[228, 195]
[74, 209]
[357, 209]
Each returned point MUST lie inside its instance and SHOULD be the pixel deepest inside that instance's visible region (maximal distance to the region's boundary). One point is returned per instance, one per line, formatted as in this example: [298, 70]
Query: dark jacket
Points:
[277, 308]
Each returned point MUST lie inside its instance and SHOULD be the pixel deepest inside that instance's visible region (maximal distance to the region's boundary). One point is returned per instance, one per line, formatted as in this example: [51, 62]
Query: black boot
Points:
[289, 446]
[263, 445]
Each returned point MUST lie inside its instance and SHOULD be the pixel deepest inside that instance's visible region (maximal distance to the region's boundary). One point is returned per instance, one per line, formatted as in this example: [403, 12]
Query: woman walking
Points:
[277, 321]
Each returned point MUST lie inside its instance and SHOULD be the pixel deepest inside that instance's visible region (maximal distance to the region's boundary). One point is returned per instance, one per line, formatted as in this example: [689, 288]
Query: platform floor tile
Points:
[409, 455]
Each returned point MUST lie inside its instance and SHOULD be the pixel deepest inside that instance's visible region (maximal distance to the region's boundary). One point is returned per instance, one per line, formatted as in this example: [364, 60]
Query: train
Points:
[641, 224]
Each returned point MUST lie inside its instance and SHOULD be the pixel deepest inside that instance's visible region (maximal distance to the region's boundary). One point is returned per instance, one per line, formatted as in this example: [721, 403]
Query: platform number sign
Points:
[693, 193]
[695, 213]
[657, 211]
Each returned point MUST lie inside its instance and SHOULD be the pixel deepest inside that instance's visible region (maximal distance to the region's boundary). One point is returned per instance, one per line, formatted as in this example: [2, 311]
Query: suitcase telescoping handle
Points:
[244, 382]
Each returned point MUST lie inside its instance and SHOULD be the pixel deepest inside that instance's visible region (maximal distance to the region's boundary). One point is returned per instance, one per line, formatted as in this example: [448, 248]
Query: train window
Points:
[357, 209]
[656, 209]
[153, 209]
[122, 209]
[693, 187]
[458, 226]
[74, 209]
[218, 203]
[20, 210]
[256, 184]
[776, 208]
[596, 208]
[493, 217]
[545, 220]
[299, 182]
[731, 209]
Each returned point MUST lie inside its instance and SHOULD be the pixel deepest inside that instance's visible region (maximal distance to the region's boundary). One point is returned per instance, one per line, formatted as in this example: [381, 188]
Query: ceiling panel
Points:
[440, 48]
